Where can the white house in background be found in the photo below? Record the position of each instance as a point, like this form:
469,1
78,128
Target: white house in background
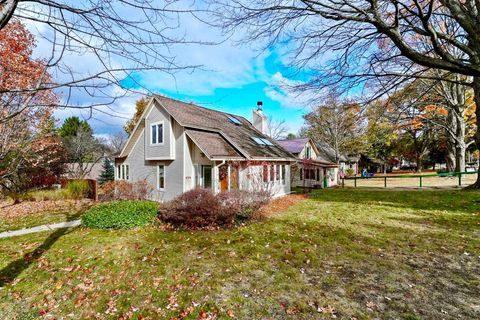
311,169
345,162
177,146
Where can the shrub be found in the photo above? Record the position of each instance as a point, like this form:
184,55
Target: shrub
244,203
349,172
77,189
201,209
47,194
124,190
120,215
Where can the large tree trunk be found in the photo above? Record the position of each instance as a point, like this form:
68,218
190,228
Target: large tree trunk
460,147
450,160
476,92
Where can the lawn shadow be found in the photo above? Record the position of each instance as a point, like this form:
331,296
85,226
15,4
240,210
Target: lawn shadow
15,268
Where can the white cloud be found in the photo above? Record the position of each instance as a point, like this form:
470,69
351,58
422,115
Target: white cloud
285,91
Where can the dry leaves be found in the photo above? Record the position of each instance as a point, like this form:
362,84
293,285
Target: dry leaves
281,204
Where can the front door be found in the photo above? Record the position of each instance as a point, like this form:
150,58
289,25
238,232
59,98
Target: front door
207,177
223,177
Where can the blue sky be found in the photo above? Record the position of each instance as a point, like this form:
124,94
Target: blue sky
232,78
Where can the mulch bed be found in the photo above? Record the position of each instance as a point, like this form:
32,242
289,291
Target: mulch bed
8,210
280,204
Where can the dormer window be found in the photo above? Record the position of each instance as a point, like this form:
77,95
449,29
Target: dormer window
156,133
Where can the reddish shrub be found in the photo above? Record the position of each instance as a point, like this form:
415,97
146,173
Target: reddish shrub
244,203
196,209
201,209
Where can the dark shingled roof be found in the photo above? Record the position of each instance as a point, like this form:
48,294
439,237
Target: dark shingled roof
237,136
293,145
296,146
213,144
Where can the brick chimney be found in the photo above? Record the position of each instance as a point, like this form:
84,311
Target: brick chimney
259,119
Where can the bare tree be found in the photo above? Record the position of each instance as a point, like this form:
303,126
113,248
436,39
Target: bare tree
334,125
385,40
116,141
98,48
84,152
277,129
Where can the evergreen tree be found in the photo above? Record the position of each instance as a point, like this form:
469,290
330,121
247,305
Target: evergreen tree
108,171
72,125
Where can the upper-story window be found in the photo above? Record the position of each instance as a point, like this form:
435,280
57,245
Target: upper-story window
308,152
156,133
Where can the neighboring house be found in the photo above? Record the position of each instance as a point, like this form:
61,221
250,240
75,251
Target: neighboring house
92,170
178,146
311,169
344,162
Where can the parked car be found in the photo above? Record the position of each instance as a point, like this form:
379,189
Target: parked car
471,169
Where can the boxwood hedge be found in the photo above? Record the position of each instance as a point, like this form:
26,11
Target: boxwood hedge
120,215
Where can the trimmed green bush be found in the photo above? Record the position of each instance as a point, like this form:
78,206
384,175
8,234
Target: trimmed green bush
121,215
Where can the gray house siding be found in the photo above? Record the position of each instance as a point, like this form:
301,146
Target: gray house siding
164,150
142,169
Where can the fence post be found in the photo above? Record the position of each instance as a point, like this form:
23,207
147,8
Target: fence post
343,182
355,182
420,181
385,182
459,179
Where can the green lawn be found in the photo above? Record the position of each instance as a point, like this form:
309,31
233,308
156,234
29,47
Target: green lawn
352,254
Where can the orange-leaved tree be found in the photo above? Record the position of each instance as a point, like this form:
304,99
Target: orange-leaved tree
29,150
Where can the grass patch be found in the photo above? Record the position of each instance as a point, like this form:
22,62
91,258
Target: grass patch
346,253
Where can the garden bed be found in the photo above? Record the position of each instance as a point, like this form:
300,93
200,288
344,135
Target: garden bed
33,213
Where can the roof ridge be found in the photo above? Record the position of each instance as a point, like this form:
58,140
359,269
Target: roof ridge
201,107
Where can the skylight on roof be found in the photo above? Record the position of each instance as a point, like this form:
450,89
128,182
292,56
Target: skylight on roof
234,120
262,141
268,143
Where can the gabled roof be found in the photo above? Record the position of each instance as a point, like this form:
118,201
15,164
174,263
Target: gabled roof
330,154
296,146
224,134
213,145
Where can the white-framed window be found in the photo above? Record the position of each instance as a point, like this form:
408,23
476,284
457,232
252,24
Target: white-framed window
284,173
156,133
123,172
161,177
308,152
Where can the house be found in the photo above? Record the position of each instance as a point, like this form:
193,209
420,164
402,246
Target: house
89,170
178,146
345,162
311,169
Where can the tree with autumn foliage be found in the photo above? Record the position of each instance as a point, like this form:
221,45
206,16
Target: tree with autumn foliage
30,152
447,108
378,46
140,106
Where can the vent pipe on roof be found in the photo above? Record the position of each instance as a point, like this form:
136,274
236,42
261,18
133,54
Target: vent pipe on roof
259,105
